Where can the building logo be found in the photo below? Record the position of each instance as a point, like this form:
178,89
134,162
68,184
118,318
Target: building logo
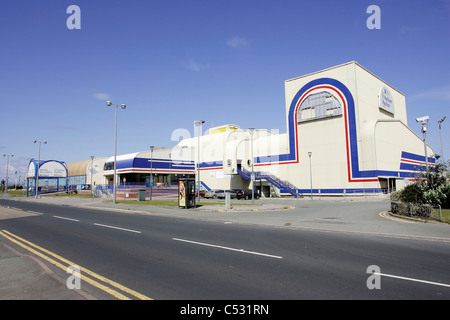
385,100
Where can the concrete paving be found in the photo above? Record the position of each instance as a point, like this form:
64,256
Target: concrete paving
23,276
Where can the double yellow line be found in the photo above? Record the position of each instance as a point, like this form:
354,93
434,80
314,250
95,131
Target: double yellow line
83,272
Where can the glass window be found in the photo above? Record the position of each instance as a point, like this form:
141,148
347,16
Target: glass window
319,105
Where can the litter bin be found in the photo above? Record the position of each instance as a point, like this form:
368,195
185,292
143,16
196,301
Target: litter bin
141,195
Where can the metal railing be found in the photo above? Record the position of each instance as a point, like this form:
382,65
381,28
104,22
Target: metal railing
423,211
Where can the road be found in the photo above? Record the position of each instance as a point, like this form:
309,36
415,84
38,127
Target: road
166,258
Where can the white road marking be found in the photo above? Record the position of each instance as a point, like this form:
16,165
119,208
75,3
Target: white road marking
35,212
227,248
113,227
412,279
70,219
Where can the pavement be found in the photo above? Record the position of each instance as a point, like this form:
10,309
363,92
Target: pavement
23,276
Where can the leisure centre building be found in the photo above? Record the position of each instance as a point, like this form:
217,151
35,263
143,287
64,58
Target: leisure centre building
347,133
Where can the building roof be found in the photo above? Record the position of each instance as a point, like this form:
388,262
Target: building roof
78,168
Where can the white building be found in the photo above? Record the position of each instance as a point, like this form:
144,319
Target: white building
347,133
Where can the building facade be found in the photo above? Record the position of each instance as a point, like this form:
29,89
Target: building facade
347,133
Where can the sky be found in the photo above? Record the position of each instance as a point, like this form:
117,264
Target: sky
176,61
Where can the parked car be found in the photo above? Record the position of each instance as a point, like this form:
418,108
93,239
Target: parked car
239,193
221,194
202,193
247,194
212,194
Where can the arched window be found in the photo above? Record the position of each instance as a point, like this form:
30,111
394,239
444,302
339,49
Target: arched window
319,105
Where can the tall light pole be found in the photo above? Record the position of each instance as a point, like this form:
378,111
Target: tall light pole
198,124
170,169
7,165
92,172
252,130
310,173
442,147
424,121
38,165
151,171
123,106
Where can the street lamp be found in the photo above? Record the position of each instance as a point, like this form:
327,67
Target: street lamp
123,106
7,165
198,123
38,165
92,172
424,121
252,130
310,173
151,171
440,134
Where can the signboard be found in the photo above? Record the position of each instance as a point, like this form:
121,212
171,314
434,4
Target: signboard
385,100
52,169
181,194
48,169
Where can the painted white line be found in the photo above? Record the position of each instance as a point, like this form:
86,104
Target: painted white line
35,212
227,248
112,227
70,219
415,280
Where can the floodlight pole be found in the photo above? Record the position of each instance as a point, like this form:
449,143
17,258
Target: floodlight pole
37,170
7,165
92,171
198,123
252,130
442,147
123,106
310,173
151,171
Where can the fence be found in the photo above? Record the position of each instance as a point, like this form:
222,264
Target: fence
423,211
130,191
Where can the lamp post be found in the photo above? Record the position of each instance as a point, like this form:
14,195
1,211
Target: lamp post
310,173
198,123
7,165
442,147
123,106
424,121
170,169
92,171
252,130
151,171
37,170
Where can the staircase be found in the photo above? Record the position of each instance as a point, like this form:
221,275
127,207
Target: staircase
277,182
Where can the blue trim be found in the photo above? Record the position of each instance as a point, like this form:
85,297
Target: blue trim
416,157
305,192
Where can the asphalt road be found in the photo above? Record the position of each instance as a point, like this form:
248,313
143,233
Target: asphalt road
190,259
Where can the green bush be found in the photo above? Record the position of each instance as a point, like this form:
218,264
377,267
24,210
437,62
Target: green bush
431,188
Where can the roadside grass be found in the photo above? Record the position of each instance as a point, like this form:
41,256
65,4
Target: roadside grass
174,203
17,193
446,215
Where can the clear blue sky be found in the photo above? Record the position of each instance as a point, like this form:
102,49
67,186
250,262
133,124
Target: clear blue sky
223,61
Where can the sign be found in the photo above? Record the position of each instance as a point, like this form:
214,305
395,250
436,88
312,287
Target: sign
181,194
47,169
52,169
385,100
